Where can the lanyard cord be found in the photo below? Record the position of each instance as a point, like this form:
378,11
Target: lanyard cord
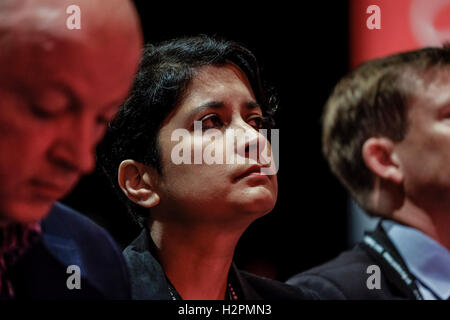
378,245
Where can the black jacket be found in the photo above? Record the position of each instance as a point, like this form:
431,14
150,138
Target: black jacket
148,280
69,238
345,277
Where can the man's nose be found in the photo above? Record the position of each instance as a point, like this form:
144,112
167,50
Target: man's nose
76,144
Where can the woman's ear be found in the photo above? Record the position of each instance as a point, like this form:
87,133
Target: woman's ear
137,182
379,156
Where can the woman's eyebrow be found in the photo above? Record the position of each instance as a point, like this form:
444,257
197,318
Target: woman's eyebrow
252,105
208,105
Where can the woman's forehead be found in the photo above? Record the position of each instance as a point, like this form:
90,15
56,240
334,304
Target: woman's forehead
217,81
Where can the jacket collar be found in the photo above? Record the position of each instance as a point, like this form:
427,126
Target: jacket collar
245,289
427,260
382,250
61,246
148,280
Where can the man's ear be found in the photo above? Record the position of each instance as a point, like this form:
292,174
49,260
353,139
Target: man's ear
379,156
137,182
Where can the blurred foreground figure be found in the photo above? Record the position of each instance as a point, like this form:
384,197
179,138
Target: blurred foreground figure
59,87
386,136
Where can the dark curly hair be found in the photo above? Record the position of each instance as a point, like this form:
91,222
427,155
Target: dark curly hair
165,72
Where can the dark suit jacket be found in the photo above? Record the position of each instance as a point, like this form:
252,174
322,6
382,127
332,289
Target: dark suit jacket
345,277
148,280
68,238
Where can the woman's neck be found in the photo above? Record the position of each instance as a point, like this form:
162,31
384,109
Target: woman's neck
195,258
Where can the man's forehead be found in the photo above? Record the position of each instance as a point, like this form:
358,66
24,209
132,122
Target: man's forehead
35,33
26,14
50,17
437,86
34,60
431,88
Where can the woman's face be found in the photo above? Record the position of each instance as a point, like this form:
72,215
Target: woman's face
219,98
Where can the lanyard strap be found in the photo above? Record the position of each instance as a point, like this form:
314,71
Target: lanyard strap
378,245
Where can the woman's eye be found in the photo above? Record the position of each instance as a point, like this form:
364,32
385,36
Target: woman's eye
256,122
210,122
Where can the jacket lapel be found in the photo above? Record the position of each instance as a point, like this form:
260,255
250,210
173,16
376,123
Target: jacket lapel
244,287
148,280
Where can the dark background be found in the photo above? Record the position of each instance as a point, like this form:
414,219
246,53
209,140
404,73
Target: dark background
303,50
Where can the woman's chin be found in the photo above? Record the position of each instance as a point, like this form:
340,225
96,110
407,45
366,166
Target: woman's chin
258,206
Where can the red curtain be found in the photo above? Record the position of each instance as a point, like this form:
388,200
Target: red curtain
405,25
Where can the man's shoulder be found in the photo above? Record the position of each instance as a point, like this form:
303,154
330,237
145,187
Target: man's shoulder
65,221
74,239
345,277
346,263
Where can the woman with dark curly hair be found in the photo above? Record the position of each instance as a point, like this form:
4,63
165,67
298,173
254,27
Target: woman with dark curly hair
194,210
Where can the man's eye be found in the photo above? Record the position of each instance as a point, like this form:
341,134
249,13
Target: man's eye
49,104
103,120
42,113
212,121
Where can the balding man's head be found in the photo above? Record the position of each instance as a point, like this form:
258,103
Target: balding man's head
41,21
58,89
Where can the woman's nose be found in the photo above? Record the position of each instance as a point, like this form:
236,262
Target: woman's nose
249,142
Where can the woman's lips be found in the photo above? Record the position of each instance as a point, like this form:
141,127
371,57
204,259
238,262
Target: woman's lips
253,171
